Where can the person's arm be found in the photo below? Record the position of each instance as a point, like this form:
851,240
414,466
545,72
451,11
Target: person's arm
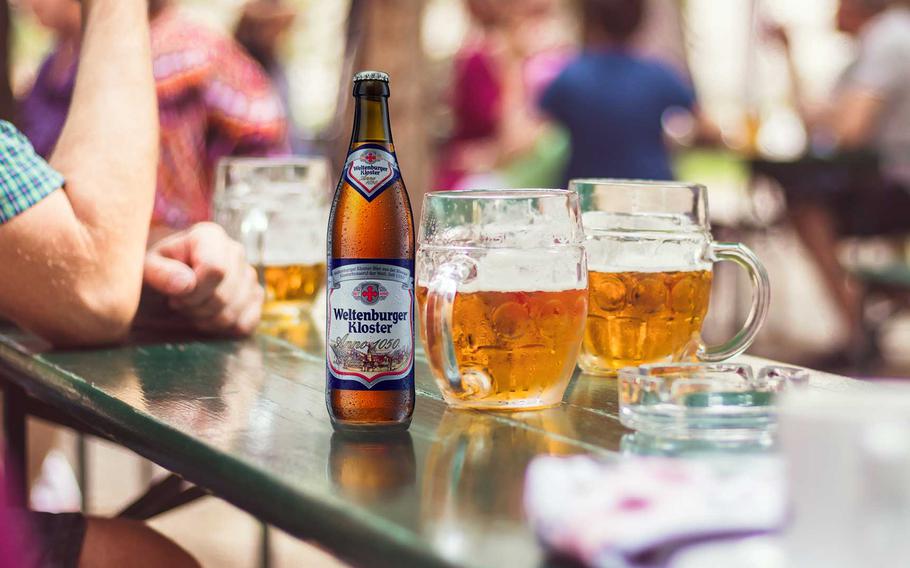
520,127
678,94
71,264
850,117
854,116
879,71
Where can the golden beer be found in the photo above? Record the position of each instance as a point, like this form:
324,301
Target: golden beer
290,289
526,343
643,317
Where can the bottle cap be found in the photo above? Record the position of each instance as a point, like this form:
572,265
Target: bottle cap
371,76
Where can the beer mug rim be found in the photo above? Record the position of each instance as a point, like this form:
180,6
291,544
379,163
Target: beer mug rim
670,184
697,190
568,229
493,194
636,200
637,184
661,370
253,165
258,161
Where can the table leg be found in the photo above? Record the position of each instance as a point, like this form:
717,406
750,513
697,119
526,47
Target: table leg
14,432
82,469
146,472
166,495
265,547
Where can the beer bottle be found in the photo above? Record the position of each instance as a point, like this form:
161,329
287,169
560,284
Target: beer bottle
370,302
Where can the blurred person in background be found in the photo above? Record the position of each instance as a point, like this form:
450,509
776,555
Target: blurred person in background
868,110
613,101
214,101
261,29
513,51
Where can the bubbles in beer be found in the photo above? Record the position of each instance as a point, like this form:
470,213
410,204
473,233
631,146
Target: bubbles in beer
610,295
510,320
643,317
525,342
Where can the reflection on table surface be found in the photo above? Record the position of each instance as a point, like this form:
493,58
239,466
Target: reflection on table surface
250,416
302,332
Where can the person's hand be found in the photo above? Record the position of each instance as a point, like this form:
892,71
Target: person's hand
205,276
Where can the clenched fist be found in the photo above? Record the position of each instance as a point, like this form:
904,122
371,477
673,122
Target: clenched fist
206,278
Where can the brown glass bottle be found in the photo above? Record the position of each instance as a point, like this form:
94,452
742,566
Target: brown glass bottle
370,303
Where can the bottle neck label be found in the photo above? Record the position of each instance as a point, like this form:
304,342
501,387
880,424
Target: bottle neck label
370,324
371,169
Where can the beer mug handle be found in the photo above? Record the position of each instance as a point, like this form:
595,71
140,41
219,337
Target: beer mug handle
761,299
438,326
254,226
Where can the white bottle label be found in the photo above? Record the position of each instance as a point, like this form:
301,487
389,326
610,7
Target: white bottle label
370,324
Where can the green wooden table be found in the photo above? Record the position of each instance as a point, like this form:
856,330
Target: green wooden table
246,421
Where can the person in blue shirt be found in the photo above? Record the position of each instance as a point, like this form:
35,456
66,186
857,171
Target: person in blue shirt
612,101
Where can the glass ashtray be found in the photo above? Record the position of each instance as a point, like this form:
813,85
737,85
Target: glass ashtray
704,401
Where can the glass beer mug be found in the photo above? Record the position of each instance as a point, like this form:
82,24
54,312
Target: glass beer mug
650,256
502,292
278,209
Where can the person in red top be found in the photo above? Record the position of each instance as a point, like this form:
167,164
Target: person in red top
498,74
214,101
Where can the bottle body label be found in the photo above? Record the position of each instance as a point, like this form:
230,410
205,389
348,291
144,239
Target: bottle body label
371,169
370,324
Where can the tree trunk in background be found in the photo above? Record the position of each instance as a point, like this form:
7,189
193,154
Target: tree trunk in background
7,103
387,36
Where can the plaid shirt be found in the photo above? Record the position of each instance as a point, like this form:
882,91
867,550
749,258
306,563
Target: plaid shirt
25,178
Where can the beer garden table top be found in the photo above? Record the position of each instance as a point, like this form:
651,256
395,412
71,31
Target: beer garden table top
246,420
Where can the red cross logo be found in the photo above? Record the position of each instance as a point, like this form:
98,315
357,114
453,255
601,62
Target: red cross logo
370,157
370,294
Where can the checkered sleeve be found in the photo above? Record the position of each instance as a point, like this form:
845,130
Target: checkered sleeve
25,178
